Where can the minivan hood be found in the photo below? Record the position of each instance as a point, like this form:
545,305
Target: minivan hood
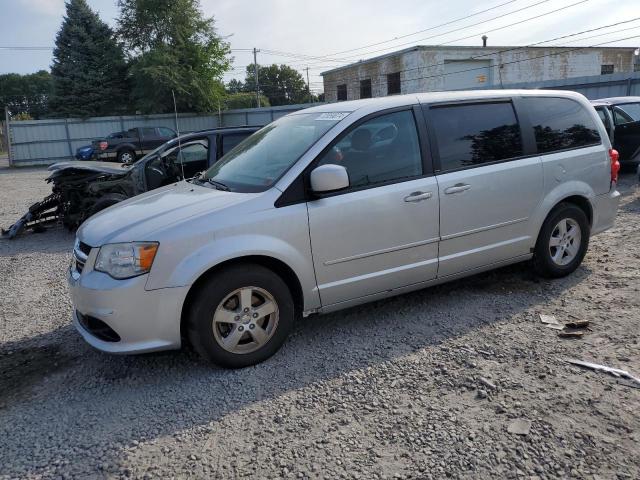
141,217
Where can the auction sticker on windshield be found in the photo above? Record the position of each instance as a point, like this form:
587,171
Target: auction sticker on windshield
332,116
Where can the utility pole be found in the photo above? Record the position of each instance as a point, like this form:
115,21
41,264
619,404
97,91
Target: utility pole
308,86
255,73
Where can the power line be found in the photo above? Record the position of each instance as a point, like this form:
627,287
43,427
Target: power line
522,47
536,43
511,62
425,30
535,17
34,48
306,57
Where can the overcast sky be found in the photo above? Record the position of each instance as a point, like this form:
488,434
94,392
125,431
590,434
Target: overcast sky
324,28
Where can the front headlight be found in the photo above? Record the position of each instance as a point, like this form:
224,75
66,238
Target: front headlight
126,260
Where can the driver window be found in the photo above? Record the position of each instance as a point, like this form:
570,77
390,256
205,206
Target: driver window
194,157
196,152
165,168
383,149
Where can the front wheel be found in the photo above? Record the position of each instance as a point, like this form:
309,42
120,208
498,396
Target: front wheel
563,241
240,316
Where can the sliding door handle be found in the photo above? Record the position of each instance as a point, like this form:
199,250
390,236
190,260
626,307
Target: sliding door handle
460,187
418,196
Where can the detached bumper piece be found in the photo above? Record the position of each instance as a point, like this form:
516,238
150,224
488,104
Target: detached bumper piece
39,214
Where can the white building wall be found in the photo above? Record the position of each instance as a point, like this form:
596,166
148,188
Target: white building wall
423,68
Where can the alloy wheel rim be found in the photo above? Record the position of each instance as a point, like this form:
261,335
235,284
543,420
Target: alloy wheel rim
245,320
126,157
565,241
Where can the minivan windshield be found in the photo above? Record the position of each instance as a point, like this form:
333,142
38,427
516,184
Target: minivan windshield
257,162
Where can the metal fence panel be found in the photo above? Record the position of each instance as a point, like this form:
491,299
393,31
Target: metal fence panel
42,142
594,87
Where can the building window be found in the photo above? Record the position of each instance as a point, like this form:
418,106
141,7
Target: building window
365,88
393,83
606,69
342,93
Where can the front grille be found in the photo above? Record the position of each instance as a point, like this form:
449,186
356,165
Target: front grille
79,265
80,255
84,248
98,328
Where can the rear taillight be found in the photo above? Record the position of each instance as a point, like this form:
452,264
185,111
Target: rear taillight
103,145
615,164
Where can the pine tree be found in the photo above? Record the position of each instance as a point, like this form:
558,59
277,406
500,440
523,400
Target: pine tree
173,47
89,71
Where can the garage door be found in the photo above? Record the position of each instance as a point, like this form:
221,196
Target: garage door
463,74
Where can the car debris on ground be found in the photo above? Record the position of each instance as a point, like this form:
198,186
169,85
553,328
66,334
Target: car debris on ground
520,426
616,372
570,329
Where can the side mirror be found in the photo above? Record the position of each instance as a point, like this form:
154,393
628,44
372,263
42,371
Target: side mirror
329,178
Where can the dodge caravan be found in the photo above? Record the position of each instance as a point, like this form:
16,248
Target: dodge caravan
342,204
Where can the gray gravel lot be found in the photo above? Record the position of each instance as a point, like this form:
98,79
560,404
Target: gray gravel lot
425,385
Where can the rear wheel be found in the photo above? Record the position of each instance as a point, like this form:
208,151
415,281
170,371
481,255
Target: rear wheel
563,241
126,156
241,316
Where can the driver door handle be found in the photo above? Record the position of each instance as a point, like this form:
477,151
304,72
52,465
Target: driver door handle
459,187
418,196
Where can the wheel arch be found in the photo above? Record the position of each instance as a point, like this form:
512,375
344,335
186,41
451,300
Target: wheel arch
579,201
277,266
127,146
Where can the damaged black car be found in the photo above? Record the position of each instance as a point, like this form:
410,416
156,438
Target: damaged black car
81,189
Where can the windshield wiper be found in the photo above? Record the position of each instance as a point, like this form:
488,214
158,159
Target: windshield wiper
218,185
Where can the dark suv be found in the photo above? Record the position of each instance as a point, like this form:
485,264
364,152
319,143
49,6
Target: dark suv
621,117
131,144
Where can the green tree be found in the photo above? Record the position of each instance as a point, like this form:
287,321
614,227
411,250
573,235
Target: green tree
244,100
89,70
173,47
235,86
25,94
281,84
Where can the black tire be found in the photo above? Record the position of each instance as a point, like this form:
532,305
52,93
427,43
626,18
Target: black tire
126,155
200,326
543,262
106,201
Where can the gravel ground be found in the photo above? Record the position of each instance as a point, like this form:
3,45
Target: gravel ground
425,385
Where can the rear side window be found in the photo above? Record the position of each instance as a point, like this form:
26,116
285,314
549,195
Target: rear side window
560,124
148,132
472,135
166,132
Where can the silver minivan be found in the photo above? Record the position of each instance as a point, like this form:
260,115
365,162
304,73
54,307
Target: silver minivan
339,205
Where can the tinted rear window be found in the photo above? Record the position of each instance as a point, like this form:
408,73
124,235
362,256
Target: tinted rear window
469,135
560,124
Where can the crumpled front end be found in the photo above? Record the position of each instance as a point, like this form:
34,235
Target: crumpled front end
76,194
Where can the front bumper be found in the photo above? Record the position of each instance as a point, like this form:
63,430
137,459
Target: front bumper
144,320
106,156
